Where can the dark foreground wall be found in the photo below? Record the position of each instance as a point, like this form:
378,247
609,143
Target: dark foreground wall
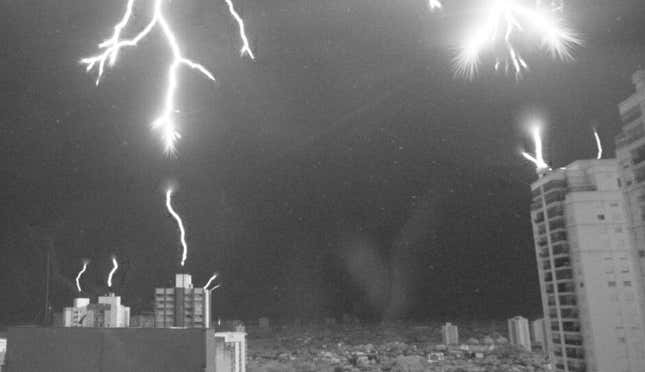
32,349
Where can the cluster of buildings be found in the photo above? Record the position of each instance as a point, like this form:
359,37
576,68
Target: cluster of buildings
103,339
182,306
588,223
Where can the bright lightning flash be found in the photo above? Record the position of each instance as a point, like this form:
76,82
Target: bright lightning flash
538,159
182,231
164,122
502,21
598,144
78,276
435,5
210,281
115,266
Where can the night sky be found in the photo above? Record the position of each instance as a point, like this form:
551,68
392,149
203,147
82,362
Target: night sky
344,171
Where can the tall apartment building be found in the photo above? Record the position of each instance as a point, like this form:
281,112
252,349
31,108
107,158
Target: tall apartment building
538,334
183,305
450,334
519,333
630,153
588,277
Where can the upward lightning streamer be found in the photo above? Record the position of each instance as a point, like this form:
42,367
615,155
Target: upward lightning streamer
598,144
165,121
209,283
540,165
115,266
78,276
180,224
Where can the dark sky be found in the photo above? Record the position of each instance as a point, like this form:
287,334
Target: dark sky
345,170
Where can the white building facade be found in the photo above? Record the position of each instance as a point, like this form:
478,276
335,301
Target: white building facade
589,278
519,333
107,313
183,305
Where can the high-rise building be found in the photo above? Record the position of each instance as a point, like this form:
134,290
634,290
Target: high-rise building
519,333
450,334
538,333
107,313
183,305
630,153
588,277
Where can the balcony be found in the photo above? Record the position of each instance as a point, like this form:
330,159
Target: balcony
564,274
561,248
554,196
575,340
567,287
562,262
539,217
555,211
568,300
556,224
558,236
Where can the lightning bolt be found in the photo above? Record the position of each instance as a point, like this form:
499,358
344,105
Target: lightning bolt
500,23
598,144
78,276
210,281
115,266
165,121
179,223
538,159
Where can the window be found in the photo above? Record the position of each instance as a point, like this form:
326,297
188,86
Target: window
641,253
601,217
627,283
611,283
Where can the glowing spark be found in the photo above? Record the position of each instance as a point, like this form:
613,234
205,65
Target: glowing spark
210,281
78,276
115,266
164,122
538,159
179,223
435,5
501,24
598,144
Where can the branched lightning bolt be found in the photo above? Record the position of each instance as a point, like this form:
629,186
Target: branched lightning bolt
598,144
115,266
501,23
210,281
78,276
164,122
182,236
538,159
